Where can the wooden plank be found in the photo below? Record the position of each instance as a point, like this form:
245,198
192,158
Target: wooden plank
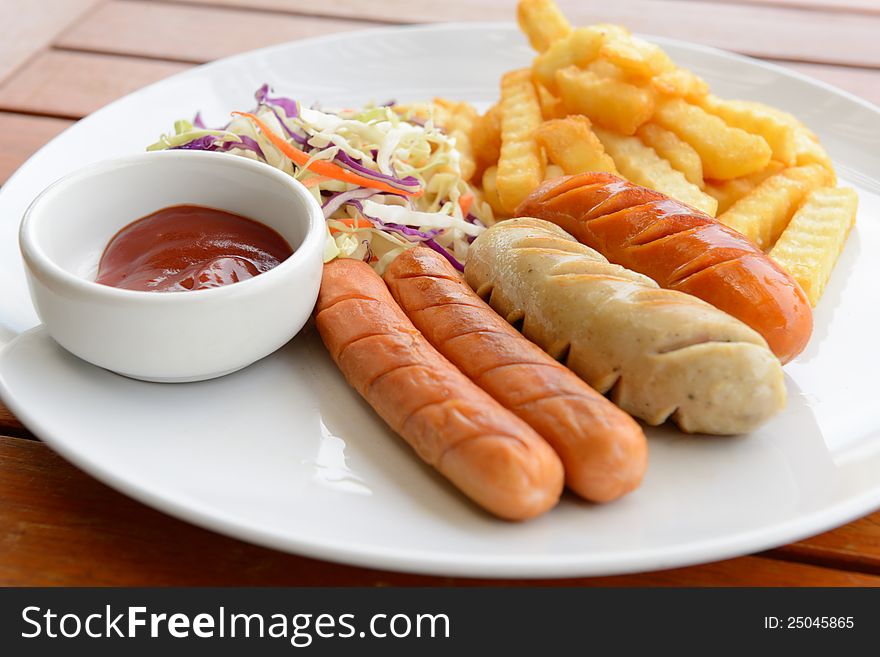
30,26
189,34
69,84
857,545
11,426
863,6
863,82
762,31
73,84
21,137
60,527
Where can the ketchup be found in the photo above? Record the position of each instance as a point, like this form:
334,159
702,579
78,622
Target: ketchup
189,247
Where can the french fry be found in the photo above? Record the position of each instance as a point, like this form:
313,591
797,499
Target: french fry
681,83
551,106
808,150
778,134
577,49
521,161
542,22
605,69
762,214
490,192
635,56
486,139
812,242
459,124
668,145
640,164
728,192
726,152
612,104
572,145
787,117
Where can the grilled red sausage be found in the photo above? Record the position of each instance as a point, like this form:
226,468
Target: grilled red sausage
491,455
682,249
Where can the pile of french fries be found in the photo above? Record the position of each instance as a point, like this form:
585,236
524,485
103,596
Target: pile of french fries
598,98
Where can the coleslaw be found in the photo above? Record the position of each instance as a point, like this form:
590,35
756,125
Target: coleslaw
387,177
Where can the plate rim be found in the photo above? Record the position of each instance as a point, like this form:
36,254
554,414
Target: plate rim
438,563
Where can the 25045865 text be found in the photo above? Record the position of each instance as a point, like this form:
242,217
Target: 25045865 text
809,622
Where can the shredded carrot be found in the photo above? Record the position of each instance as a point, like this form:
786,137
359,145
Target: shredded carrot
322,167
465,201
314,180
356,223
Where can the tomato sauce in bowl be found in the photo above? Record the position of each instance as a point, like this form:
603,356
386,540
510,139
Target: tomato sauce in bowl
190,247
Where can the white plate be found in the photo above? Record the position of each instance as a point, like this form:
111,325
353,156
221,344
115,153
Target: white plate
285,454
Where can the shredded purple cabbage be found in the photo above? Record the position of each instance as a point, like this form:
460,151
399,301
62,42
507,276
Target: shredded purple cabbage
412,232
217,144
336,201
409,183
446,254
203,143
286,104
407,231
198,122
246,144
302,141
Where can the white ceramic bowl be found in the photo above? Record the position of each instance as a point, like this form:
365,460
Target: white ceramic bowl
169,336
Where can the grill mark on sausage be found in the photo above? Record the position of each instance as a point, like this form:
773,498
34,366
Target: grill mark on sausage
683,273
347,297
478,436
445,302
358,339
577,251
440,277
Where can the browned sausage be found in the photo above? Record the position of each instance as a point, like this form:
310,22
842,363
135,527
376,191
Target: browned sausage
682,249
491,455
603,449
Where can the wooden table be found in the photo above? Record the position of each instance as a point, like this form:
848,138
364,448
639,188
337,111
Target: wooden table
61,59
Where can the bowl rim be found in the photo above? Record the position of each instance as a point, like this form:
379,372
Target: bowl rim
36,259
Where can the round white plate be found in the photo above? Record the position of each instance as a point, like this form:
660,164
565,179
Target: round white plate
285,454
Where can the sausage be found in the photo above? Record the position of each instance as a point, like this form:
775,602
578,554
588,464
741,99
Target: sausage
682,249
659,353
491,455
603,450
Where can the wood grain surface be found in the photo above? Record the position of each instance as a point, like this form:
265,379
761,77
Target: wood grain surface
74,84
760,29
189,34
93,534
62,59
22,136
29,26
